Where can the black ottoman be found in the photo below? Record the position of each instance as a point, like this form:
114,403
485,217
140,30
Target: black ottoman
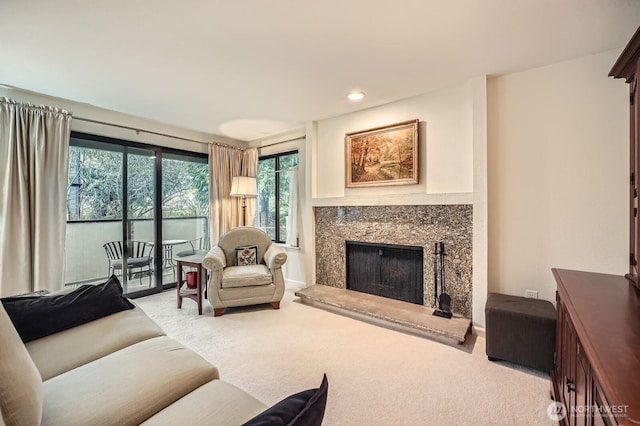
520,330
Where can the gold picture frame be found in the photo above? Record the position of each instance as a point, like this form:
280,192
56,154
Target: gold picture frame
383,156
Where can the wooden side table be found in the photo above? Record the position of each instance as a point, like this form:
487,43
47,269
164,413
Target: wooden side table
193,261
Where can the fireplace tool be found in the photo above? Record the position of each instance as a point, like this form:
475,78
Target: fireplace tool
435,276
443,300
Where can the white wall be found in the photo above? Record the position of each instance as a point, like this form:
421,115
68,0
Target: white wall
445,154
82,110
558,173
480,203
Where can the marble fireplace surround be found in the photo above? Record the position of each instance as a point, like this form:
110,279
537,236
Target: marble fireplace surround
416,225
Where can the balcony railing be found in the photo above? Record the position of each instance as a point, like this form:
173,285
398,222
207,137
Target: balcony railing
86,260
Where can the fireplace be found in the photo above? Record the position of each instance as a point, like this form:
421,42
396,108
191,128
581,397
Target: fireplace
404,225
387,270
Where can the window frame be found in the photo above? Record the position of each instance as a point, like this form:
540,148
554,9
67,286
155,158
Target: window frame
280,239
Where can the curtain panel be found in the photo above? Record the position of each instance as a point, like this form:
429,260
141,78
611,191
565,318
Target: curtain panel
226,211
292,216
250,168
34,158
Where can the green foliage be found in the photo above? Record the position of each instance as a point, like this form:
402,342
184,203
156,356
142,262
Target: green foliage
95,186
274,191
185,188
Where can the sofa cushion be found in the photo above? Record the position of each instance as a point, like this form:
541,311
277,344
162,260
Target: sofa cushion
21,391
127,386
217,402
38,316
305,408
61,352
245,276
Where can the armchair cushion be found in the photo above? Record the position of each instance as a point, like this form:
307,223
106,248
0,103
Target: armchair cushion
246,255
245,276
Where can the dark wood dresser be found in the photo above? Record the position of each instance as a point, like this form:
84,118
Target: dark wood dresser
597,370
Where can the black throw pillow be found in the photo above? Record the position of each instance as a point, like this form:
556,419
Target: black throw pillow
305,408
39,316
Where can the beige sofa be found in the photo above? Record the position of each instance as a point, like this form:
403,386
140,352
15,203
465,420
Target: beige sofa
118,370
232,285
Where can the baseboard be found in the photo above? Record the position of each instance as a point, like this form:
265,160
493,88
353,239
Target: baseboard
478,331
295,283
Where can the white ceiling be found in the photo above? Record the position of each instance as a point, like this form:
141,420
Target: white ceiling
251,68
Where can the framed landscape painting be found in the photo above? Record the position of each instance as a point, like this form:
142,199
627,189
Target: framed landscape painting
383,156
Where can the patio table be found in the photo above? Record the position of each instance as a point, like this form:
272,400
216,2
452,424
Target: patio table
167,255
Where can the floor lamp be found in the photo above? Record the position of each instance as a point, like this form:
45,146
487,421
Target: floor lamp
244,186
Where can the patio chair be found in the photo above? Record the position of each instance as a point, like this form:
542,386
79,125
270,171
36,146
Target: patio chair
140,257
199,245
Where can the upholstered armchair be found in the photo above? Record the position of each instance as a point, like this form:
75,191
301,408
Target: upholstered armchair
245,269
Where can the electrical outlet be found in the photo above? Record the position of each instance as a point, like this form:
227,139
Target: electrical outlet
531,294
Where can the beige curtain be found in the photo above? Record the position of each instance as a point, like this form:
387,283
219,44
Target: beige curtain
250,168
226,211
34,156
294,209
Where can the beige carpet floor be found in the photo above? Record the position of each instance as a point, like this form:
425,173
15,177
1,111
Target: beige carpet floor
376,376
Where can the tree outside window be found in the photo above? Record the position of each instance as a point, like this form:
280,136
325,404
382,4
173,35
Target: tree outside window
274,193
95,186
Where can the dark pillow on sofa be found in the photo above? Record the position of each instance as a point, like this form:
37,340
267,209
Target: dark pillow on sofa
39,316
305,408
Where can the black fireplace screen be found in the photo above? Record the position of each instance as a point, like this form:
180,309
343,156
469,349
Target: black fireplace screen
394,271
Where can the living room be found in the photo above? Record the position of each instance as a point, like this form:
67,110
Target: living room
534,141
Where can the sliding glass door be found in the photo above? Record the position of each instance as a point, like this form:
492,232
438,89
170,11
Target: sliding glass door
185,209
94,209
131,209
111,215
139,237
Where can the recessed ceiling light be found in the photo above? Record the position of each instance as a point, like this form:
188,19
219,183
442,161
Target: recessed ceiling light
355,96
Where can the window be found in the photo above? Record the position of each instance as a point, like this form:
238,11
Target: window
277,196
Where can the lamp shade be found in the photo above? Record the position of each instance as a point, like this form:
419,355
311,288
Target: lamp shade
244,186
